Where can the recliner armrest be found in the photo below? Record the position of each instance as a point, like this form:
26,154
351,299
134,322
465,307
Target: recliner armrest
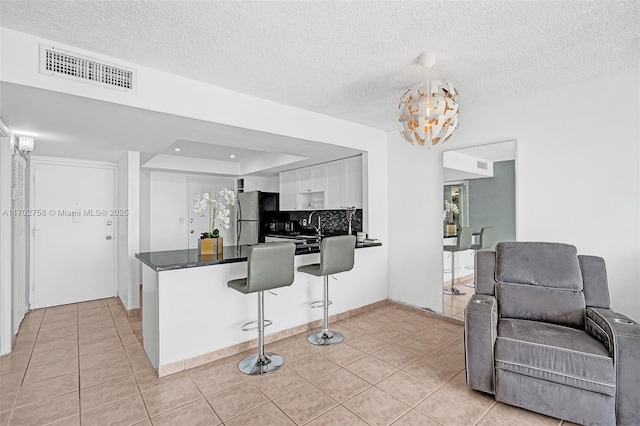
480,331
621,335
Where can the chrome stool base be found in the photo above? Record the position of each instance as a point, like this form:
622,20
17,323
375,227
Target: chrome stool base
325,338
470,285
453,291
255,365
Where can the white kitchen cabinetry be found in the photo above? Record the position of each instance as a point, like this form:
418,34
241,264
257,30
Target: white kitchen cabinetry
333,192
352,186
311,179
334,185
288,190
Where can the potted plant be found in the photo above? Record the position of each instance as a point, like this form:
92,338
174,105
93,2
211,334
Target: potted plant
211,242
450,209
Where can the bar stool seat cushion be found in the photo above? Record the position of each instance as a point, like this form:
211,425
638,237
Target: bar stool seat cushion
240,284
313,269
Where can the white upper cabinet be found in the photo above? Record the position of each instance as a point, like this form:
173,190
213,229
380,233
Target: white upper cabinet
353,185
311,179
333,193
333,185
288,190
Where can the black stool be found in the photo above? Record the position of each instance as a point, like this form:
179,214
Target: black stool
336,255
269,266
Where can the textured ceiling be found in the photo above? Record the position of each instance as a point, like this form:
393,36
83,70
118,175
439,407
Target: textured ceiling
350,59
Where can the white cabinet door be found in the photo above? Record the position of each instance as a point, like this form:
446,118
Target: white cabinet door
318,174
352,183
288,190
333,191
304,180
311,179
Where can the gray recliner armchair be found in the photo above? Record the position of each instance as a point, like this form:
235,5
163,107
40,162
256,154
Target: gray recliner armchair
540,334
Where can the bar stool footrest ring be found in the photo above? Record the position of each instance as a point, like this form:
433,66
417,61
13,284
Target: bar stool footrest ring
267,323
320,304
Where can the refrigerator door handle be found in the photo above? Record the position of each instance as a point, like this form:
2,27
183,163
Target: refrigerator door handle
239,222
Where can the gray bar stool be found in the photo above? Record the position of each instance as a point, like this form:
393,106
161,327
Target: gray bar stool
336,255
485,241
269,266
463,242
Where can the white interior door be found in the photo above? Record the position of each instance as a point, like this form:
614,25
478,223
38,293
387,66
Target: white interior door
197,225
74,241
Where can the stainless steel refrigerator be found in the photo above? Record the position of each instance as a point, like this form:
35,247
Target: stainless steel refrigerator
254,208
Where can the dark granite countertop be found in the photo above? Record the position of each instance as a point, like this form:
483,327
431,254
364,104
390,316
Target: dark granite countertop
190,258
475,234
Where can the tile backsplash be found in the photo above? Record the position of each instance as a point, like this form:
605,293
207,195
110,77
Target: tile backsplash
333,221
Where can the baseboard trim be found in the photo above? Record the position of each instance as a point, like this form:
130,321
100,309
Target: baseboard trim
186,364
130,312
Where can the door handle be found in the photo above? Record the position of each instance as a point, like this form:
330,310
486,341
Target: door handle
109,237
192,231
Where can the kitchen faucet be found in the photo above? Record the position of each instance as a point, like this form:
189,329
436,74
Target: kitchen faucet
317,228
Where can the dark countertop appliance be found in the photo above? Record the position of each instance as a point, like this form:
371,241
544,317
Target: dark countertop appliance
255,211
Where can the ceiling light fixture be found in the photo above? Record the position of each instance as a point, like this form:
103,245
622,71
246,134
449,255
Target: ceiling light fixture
232,156
25,144
177,149
428,110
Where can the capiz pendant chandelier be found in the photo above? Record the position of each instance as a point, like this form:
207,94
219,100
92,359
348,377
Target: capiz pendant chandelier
428,110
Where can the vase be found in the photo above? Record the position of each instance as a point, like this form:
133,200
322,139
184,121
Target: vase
210,245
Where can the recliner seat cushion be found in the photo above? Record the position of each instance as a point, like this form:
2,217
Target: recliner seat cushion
554,353
529,302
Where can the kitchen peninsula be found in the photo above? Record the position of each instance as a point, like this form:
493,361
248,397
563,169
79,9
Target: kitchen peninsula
190,317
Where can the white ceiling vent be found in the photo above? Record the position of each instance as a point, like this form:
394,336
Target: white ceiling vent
482,165
60,63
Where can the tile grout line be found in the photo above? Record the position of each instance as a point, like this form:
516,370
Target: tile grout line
79,384
133,373
486,413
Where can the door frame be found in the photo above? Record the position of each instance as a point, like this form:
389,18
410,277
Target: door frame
7,141
69,162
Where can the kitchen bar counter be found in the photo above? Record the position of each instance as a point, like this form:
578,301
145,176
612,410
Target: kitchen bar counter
190,316
179,259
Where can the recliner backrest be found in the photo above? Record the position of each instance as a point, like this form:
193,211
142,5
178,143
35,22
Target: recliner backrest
539,281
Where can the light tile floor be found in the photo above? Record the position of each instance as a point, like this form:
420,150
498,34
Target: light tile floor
453,306
84,364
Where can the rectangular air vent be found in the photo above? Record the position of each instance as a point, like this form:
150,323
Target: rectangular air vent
482,165
60,63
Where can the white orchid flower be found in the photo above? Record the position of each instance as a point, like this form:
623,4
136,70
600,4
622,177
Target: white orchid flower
218,209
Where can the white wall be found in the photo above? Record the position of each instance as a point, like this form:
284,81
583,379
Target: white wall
133,226
261,183
415,224
145,211
129,229
167,204
122,237
578,182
